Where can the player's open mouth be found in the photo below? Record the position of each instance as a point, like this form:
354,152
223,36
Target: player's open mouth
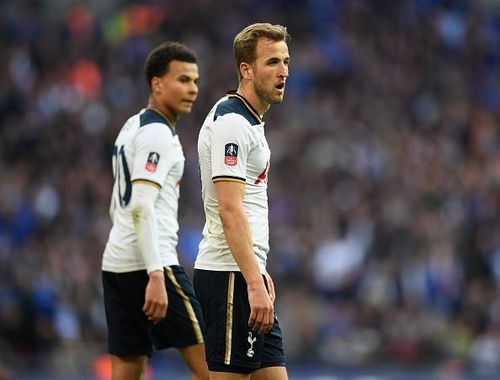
280,86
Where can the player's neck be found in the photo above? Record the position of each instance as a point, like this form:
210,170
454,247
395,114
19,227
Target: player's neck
248,92
163,111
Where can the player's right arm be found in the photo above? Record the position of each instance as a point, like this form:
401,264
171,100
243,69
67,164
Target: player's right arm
144,217
229,149
151,165
239,239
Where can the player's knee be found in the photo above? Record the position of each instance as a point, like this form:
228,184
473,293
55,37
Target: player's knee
200,375
200,371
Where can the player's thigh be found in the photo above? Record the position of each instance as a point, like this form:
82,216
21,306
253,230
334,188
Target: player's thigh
231,345
211,290
128,327
270,373
228,376
128,367
273,351
183,325
194,356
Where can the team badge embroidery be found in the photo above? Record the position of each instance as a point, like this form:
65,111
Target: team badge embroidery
152,163
231,154
251,340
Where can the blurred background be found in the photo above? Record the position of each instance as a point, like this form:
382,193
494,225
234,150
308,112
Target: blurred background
384,184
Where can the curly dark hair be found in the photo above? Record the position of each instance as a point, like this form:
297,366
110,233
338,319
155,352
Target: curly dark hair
158,61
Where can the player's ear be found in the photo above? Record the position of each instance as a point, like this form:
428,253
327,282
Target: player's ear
246,70
156,85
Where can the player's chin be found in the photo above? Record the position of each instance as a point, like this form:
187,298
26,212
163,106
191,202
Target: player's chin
186,107
277,99
277,96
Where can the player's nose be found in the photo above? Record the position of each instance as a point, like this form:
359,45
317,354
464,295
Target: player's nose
283,72
193,88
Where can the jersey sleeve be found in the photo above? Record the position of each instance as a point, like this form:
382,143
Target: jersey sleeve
230,146
152,159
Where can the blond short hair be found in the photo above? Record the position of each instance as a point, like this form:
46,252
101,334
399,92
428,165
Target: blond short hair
245,42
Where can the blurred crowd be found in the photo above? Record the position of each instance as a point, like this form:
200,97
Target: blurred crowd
384,183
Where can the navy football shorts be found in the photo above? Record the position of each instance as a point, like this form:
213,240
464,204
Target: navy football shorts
231,345
130,333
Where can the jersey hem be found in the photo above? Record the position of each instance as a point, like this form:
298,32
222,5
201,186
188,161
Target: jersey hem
132,267
224,267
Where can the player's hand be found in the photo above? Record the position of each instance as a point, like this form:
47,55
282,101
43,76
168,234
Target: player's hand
261,310
155,299
270,287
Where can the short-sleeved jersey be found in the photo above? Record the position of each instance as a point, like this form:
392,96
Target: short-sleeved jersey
232,147
146,150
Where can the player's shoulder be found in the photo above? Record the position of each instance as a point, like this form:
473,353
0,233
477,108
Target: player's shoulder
235,107
149,119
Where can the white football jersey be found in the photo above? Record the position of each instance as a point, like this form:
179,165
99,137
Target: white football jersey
232,147
146,150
